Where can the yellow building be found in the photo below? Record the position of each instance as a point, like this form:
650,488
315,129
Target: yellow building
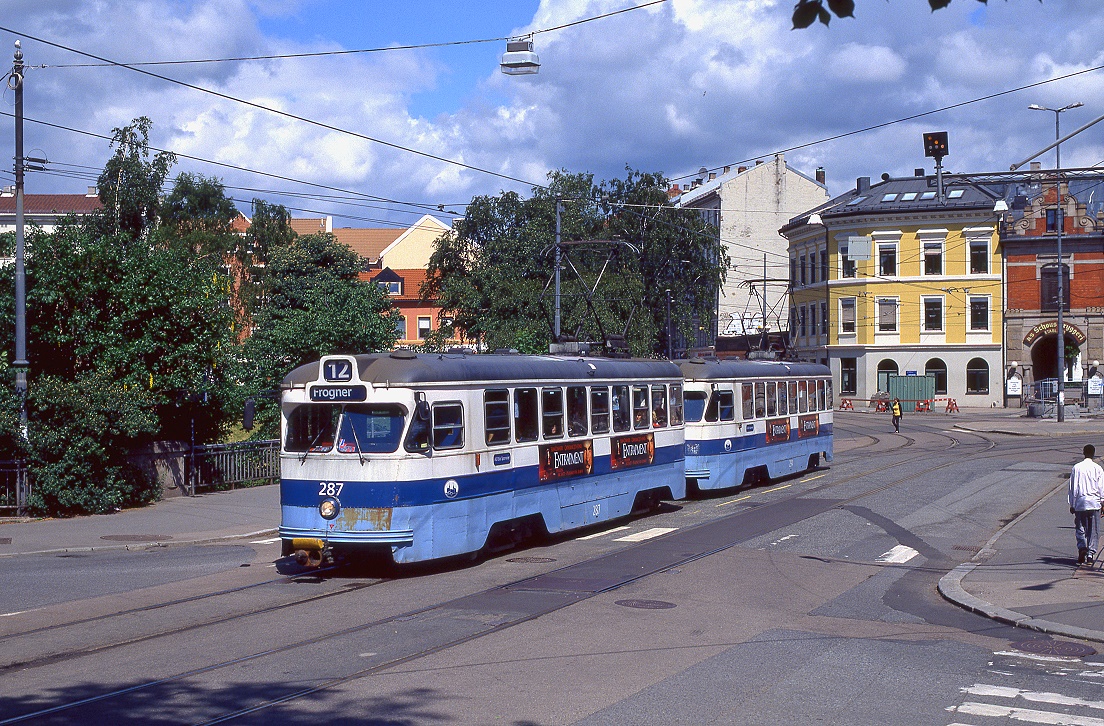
889,279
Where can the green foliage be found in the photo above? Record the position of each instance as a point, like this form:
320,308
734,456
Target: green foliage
807,12
314,306
489,274
82,430
130,184
198,204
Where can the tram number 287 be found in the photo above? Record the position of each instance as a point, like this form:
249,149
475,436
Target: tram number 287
330,488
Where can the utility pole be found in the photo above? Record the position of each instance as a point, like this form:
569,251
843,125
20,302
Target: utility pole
21,364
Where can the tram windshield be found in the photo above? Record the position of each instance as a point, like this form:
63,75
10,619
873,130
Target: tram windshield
695,405
359,428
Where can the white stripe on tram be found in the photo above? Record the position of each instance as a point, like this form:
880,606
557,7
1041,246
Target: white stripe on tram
1028,715
899,555
646,534
596,535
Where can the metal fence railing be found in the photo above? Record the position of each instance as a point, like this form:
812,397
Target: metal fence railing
226,466
15,488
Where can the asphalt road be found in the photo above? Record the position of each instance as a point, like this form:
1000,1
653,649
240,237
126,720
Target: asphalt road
811,599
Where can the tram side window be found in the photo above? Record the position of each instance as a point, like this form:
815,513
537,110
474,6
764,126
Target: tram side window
772,399
783,400
820,396
599,410
760,401
622,409
576,411
448,426
695,405
659,406
496,410
749,401
676,404
726,405
640,407
792,387
552,413
828,393
311,428
525,414
802,396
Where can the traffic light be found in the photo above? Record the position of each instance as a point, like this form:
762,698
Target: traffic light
935,144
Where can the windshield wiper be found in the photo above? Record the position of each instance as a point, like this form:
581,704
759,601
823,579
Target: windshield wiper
356,441
310,446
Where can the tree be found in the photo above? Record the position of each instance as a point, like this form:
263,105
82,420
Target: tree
315,306
198,204
806,12
130,185
489,274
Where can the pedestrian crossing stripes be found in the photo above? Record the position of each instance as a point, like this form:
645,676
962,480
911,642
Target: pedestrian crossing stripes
987,703
596,535
899,555
646,534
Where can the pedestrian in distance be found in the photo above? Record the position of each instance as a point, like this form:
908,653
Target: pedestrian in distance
1086,490
895,409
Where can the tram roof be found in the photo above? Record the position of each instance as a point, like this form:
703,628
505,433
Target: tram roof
414,368
698,369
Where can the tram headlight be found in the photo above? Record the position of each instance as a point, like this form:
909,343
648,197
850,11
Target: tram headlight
329,507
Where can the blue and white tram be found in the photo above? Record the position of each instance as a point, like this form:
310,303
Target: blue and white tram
419,456
749,419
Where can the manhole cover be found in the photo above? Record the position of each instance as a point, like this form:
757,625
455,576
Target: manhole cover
136,537
5,540
531,560
645,604
1054,647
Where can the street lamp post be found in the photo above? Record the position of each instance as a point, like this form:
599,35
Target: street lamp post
1061,397
15,81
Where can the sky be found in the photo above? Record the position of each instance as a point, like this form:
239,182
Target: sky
670,87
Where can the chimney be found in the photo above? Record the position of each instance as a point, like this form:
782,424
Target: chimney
674,191
92,192
758,162
918,171
685,187
329,223
862,184
741,170
1036,165
727,169
712,175
820,174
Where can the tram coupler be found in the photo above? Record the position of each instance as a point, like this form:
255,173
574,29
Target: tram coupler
309,552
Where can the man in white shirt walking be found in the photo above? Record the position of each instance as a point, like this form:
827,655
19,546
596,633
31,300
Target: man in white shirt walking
1086,490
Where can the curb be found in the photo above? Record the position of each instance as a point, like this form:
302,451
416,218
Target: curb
950,587
142,545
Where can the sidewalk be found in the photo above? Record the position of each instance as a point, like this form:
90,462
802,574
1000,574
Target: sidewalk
249,512
1027,576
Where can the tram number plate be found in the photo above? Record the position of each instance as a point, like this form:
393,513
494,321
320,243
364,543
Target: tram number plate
330,488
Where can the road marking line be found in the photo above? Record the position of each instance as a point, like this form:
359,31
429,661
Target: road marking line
8,615
749,496
899,555
596,535
1044,658
818,476
265,541
780,541
646,534
981,689
1028,714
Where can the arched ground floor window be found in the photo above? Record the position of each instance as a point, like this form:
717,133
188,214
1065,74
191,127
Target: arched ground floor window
937,368
977,376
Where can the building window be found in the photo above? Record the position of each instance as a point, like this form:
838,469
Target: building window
979,257
979,313
801,267
824,318
933,314
847,265
424,326
813,319
977,376
847,315
824,264
938,370
812,268
393,287
849,377
886,368
400,327
1051,220
933,258
887,259
801,321
793,272
1048,288
887,315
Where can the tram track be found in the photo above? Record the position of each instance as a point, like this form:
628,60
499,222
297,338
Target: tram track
719,532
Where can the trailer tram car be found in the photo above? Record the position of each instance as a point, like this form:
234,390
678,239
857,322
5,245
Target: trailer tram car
421,456
752,420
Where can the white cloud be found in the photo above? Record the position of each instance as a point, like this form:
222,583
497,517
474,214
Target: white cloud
858,63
